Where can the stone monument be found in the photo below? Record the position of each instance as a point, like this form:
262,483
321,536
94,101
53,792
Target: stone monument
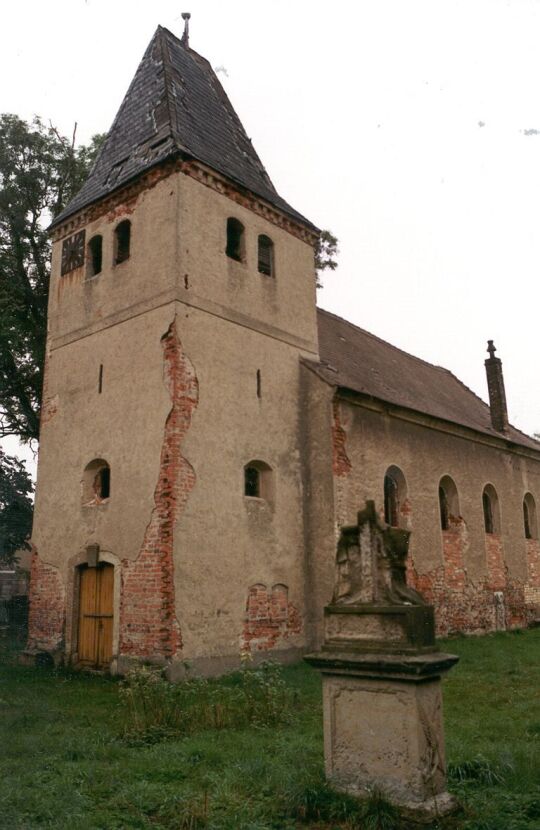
381,669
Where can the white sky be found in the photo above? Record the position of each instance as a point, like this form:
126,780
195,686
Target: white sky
398,124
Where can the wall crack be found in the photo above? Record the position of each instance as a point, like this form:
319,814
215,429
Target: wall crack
148,623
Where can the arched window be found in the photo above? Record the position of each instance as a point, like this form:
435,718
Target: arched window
235,240
444,509
258,480
252,482
448,502
490,505
96,483
529,517
122,241
266,256
395,494
95,255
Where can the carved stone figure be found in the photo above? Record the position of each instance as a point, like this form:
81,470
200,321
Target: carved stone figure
371,563
381,676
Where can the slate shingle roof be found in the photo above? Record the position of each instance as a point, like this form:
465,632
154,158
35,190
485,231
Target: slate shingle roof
175,104
354,359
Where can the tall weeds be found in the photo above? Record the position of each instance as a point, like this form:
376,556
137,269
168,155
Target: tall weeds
156,709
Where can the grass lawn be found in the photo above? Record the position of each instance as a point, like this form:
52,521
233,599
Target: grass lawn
64,762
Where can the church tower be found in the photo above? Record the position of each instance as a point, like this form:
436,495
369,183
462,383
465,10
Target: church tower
169,506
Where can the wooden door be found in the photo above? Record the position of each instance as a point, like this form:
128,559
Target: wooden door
96,615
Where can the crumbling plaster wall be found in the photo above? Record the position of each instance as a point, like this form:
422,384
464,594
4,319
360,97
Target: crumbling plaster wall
235,322
374,440
115,319
177,462
283,306
225,542
80,304
320,528
123,425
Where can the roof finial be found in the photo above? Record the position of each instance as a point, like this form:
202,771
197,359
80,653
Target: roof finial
185,36
491,349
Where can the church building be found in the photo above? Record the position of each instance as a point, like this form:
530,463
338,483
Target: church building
206,430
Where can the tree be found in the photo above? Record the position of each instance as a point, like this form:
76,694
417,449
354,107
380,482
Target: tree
325,254
15,507
40,171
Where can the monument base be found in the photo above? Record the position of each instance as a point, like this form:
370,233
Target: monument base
416,813
383,728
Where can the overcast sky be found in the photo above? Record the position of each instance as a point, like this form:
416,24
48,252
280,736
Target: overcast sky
410,129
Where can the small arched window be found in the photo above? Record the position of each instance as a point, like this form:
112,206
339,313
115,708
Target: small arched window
448,502
102,483
490,506
444,509
258,480
235,240
122,241
95,256
529,517
266,256
96,483
395,494
252,482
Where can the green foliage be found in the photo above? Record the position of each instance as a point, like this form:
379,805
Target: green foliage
15,507
185,813
378,814
314,800
152,705
326,253
63,765
477,769
265,697
40,171
157,709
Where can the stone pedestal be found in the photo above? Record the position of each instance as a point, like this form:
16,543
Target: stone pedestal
381,671
383,727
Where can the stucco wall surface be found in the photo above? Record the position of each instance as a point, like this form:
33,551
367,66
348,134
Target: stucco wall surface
123,425
225,542
282,305
79,303
200,375
460,569
239,561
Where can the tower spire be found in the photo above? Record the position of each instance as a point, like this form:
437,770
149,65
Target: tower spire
185,37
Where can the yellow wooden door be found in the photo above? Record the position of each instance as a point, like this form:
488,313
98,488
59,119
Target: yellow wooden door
96,615
105,621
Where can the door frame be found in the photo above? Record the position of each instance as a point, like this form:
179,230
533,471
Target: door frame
72,605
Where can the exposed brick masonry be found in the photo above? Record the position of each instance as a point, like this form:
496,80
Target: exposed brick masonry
532,589
461,604
125,198
341,462
269,617
148,623
47,606
455,542
49,403
495,562
464,605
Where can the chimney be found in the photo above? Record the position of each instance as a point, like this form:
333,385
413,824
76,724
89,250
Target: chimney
497,396
185,37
